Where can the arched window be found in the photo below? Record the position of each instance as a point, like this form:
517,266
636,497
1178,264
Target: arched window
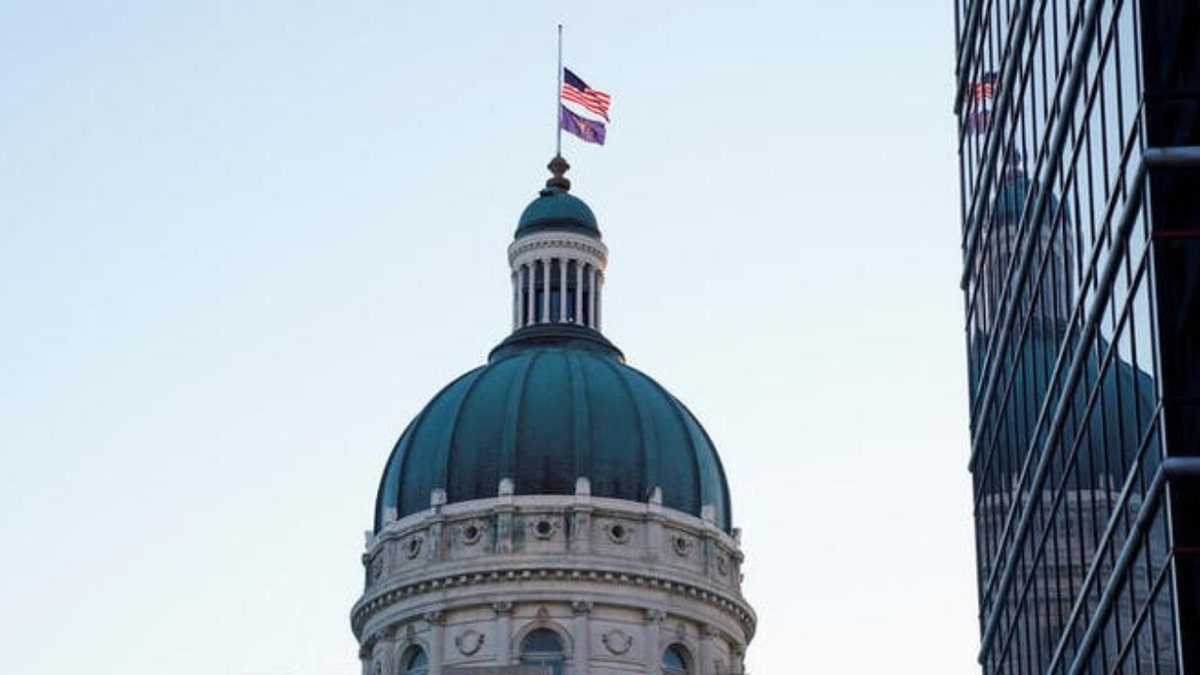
675,661
414,662
543,647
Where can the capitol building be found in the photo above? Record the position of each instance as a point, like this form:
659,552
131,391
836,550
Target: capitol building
554,510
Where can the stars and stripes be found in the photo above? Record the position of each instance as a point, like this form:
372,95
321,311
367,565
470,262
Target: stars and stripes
977,112
575,90
985,88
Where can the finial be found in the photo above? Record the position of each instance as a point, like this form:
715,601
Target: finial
558,166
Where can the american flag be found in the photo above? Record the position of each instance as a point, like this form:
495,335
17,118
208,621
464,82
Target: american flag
576,90
985,88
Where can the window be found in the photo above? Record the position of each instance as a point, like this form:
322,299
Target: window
414,662
675,661
543,647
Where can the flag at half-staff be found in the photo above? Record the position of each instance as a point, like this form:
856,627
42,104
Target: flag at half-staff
574,90
591,131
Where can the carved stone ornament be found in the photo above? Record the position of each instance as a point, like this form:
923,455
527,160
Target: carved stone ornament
412,547
617,641
376,567
469,641
378,670
543,528
618,532
470,532
722,565
682,545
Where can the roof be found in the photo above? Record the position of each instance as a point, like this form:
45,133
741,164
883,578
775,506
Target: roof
557,209
553,405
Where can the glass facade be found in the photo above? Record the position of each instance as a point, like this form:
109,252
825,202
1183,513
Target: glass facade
1079,158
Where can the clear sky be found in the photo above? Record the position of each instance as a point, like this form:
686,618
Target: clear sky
242,243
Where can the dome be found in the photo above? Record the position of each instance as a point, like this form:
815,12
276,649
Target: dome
556,209
1111,439
1010,199
554,403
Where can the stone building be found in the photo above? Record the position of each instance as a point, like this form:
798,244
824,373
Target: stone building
554,510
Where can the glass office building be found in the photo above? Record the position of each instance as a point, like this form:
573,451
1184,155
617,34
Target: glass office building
1079,154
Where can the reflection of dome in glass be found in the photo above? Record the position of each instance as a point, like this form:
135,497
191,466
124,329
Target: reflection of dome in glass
1111,436
1011,199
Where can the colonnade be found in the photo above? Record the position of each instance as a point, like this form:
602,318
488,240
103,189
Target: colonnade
557,290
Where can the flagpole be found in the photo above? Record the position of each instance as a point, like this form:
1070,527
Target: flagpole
558,100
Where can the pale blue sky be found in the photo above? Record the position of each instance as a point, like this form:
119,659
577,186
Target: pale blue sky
242,243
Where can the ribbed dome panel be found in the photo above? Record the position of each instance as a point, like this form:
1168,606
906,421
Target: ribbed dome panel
543,416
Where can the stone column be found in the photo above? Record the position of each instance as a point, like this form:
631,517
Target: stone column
581,517
516,282
364,654
655,540
545,290
599,298
704,655
562,291
737,657
654,621
529,294
504,517
437,641
503,632
387,645
579,293
583,635
592,299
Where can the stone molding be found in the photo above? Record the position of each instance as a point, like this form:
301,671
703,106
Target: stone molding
603,510
556,244
658,573
636,583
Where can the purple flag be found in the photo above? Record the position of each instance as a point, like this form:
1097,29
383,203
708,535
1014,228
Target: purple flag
589,130
977,123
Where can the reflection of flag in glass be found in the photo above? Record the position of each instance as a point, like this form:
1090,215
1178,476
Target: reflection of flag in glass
576,90
984,89
976,99
591,131
977,123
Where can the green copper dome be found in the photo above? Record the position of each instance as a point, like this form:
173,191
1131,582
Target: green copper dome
557,209
554,403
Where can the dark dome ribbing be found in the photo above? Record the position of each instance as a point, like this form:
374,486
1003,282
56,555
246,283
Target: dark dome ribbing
543,414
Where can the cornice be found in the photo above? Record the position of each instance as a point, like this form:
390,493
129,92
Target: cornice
388,596
557,240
